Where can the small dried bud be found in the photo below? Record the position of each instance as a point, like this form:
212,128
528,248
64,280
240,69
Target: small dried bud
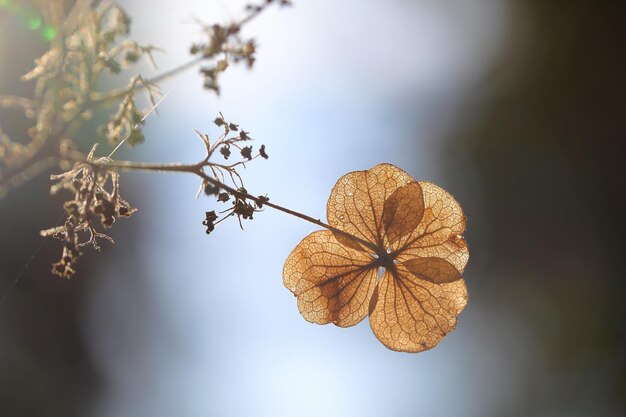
211,189
223,197
262,200
209,221
221,65
211,84
112,65
225,151
233,127
243,209
132,57
208,72
263,153
246,152
243,135
218,121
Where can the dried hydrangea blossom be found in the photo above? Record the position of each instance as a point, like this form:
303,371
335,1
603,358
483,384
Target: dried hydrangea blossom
383,220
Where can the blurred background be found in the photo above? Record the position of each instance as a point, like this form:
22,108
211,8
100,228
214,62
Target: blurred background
515,107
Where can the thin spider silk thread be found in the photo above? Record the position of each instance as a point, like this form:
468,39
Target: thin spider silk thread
28,263
153,108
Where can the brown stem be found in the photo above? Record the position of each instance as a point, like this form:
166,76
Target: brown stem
97,97
198,169
288,211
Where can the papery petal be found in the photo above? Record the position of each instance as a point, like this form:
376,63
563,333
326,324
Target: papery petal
333,283
411,315
402,212
435,270
357,201
440,232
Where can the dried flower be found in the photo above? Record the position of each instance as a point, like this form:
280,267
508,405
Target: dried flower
413,232
96,198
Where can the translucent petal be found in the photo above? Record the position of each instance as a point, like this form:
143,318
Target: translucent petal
440,232
333,283
402,212
357,201
411,315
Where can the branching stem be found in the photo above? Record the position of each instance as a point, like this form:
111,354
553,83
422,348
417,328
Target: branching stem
97,97
198,169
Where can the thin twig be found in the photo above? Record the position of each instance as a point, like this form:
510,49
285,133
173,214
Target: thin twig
98,97
198,169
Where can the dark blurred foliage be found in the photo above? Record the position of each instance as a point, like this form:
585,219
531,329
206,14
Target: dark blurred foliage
45,368
541,146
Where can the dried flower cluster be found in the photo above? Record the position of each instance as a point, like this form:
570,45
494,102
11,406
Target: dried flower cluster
89,42
224,43
218,175
96,204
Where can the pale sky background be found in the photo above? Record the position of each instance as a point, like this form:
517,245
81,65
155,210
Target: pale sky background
195,325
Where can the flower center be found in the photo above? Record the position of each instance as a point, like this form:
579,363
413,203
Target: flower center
385,258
